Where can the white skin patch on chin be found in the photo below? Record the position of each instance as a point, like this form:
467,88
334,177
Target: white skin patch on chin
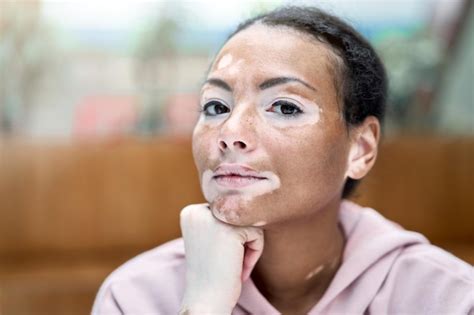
259,223
233,216
224,62
227,209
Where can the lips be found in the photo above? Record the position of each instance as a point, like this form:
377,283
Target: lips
236,175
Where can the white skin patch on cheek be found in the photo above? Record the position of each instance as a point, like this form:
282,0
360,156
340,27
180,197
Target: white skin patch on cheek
314,272
208,186
224,62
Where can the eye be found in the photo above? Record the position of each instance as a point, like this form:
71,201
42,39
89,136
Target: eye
214,108
285,108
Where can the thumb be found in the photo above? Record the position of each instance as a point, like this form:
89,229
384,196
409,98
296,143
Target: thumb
253,251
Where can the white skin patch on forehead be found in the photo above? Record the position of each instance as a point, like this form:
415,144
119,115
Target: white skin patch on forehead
235,68
224,62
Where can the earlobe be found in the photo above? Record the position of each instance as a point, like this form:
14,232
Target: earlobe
364,146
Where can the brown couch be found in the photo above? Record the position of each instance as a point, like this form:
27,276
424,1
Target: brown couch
71,213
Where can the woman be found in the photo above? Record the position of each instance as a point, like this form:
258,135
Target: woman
291,114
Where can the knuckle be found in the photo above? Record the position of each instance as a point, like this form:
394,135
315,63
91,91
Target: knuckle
186,211
193,212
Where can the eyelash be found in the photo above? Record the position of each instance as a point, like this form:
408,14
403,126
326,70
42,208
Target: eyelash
209,104
286,103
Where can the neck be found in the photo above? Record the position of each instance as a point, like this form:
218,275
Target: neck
300,259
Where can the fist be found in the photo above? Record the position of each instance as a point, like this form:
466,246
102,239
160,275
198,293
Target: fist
219,257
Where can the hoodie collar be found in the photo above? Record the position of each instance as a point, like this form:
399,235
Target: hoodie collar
369,238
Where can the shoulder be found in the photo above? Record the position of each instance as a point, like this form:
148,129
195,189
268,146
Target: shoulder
431,280
435,269
151,282
429,257
415,276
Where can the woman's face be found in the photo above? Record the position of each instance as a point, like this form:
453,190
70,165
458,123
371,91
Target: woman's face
270,144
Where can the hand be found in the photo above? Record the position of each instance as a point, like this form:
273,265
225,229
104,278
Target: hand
219,257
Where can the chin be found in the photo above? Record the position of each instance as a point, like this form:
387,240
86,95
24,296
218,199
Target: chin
234,209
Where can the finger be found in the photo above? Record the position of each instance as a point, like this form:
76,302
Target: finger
253,251
250,260
190,214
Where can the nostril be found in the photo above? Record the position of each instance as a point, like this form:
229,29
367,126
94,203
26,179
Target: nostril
222,145
240,144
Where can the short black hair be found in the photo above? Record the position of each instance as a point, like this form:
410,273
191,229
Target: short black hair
361,76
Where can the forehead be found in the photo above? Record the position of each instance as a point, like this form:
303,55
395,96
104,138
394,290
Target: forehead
273,50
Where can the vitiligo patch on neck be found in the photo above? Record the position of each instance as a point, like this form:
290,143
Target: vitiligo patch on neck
314,272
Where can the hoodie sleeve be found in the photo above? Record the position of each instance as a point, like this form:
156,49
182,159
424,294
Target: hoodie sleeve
105,302
426,280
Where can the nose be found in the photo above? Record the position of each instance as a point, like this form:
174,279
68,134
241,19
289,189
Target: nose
237,134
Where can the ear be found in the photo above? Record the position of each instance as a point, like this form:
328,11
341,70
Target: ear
364,146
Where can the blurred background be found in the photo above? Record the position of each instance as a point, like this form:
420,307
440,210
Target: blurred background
98,100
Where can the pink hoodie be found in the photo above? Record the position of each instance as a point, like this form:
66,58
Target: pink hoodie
385,270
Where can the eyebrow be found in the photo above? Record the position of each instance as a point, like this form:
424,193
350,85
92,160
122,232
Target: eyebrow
265,85
219,83
282,80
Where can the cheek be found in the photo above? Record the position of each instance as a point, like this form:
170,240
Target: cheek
203,149
313,164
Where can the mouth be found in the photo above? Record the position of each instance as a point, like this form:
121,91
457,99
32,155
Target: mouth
236,176
236,181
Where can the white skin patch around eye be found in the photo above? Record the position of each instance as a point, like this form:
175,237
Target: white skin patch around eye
311,110
224,62
212,190
316,117
304,120
314,272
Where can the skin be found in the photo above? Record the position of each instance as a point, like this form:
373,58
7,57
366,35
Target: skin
312,154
